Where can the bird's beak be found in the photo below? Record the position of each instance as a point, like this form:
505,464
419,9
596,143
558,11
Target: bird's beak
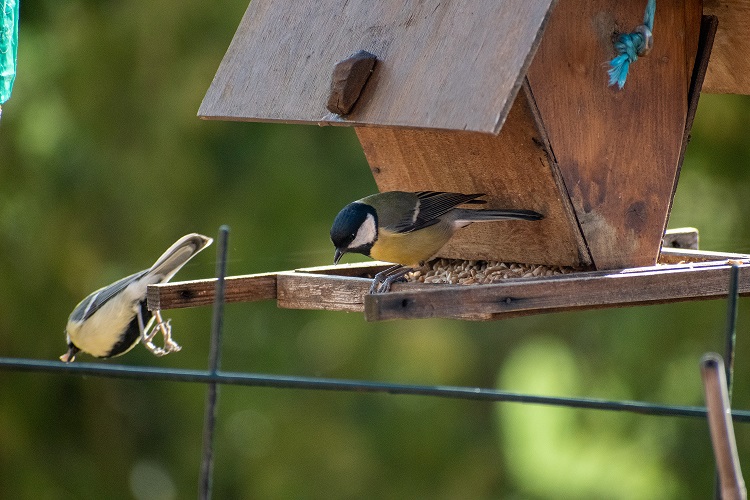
70,356
337,255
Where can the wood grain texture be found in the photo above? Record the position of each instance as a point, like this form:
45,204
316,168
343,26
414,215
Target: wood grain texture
248,288
654,285
440,64
617,151
512,168
729,69
297,290
321,292
326,290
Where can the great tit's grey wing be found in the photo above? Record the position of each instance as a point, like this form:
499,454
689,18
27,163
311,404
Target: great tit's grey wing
391,206
430,206
96,300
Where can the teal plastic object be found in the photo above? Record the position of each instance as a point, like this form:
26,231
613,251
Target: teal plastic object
8,48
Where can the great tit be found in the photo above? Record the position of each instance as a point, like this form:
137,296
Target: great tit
408,228
110,321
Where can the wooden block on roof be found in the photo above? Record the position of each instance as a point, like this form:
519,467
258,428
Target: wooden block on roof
443,65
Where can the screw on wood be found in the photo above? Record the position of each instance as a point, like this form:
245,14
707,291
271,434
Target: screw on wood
348,80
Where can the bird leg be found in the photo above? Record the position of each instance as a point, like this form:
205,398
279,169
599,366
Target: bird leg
380,277
151,330
382,281
392,278
166,330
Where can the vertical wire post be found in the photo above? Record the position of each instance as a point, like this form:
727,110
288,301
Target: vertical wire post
730,340
730,484
731,337
214,359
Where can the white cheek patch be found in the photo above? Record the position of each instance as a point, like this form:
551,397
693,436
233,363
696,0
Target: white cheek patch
366,234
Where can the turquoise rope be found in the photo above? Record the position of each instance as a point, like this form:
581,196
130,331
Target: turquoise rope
628,46
8,48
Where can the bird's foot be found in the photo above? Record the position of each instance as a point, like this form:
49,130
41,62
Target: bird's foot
165,328
382,281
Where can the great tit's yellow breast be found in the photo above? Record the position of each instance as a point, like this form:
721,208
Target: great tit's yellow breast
410,249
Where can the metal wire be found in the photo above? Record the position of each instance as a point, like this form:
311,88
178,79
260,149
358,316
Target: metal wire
328,384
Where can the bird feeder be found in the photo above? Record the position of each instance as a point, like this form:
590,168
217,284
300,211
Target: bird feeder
506,98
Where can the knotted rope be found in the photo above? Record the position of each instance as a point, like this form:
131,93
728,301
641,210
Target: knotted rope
631,45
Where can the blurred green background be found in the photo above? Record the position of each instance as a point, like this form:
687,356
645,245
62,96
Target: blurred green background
104,164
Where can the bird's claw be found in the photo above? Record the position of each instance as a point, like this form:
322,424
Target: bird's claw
166,330
383,280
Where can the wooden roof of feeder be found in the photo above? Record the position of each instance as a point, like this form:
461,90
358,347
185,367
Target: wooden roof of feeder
505,98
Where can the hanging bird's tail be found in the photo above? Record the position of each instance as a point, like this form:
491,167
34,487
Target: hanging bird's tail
177,255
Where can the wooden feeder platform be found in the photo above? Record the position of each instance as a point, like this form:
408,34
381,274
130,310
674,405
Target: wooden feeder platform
680,275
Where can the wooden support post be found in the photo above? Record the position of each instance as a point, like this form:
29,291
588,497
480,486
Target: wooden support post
617,151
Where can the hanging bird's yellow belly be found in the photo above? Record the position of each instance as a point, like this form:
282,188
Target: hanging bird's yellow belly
409,249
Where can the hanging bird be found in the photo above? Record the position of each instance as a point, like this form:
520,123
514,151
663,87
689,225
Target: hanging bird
408,228
110,321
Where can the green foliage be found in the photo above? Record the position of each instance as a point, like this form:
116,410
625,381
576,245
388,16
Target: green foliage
104,164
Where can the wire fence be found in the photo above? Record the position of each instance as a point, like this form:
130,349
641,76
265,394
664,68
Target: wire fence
213,377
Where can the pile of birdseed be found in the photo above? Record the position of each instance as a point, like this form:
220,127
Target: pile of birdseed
480,272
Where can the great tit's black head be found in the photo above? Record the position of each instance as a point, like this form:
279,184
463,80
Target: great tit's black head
355,229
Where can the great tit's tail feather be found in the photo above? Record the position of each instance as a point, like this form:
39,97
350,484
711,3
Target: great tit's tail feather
487,215
178,254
